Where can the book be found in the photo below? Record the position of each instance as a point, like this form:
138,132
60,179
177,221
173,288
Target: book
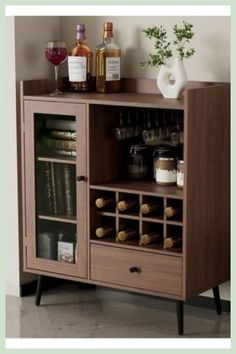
45,202
66,252
66,153
61,124
69,189
58,144
59,189
47,245
62,134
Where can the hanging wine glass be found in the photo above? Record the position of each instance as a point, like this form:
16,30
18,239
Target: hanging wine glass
56,53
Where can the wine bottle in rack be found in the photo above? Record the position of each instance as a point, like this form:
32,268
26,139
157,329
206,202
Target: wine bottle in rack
148,238
126,234
171,242
126,204
103,202
171,211
148,208
104,231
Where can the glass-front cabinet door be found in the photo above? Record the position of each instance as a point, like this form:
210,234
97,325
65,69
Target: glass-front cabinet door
55,193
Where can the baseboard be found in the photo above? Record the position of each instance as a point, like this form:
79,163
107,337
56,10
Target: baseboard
49,283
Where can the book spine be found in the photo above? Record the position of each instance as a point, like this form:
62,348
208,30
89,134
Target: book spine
58,144
69,190
54,196
59,185
62,134
47,182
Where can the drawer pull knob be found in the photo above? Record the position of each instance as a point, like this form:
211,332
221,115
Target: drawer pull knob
134,270
81,178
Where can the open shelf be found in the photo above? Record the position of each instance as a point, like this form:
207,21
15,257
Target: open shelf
147,187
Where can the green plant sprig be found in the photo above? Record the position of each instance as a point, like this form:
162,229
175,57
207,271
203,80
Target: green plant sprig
162,46
183,35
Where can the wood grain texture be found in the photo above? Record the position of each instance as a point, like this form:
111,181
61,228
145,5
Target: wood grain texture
207,189
156,272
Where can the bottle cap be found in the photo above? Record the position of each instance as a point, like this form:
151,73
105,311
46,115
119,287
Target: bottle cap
100,232
80,31
108,29
169,211
108,26
145,239
168,243
122,205
100,202
145,208
122,235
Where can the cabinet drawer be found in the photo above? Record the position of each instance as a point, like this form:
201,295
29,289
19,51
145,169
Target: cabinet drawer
155,272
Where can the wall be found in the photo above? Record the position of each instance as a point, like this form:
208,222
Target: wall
211,61
26,61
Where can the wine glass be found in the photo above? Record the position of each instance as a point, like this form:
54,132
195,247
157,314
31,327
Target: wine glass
56,53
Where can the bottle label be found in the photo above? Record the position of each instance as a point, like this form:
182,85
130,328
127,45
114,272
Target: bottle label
77,69
165,176
112,69
180,179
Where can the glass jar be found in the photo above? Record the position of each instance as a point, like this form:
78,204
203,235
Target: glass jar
164,151
180,174
138,161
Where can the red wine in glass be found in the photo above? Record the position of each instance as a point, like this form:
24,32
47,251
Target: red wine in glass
56,53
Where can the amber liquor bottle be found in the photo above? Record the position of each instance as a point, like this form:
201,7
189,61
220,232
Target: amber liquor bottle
108,56
80,63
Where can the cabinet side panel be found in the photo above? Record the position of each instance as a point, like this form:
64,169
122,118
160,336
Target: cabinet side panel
207,209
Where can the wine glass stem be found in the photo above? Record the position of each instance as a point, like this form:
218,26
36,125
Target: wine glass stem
56,77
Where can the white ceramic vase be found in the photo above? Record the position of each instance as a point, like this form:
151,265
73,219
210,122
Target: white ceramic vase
172,80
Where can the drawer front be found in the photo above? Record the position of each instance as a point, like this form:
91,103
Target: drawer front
155,272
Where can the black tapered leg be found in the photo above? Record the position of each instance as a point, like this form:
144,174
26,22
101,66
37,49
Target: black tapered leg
180,316
39,290
216,293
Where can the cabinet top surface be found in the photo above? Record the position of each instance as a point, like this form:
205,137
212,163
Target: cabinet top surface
120,99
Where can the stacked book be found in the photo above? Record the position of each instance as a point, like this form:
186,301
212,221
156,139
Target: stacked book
59,138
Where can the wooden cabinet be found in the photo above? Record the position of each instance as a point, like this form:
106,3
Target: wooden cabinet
100,170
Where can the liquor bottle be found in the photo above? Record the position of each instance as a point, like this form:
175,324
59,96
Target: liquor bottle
171,211
148,208
108,62
103,202
148,238
170,242
104,231
126,204
126,234
80,63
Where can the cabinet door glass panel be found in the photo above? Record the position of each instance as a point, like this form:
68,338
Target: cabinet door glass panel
55,172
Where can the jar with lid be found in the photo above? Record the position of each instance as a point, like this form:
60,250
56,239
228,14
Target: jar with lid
138,161
162,151
165,165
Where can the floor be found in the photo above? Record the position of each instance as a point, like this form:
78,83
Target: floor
70,312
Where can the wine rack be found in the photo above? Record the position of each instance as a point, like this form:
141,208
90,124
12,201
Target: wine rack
134,219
